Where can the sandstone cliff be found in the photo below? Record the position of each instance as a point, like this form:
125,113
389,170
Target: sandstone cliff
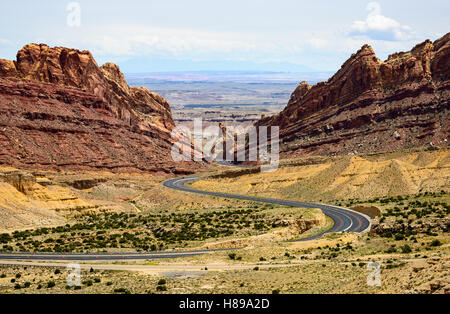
60,110
370,105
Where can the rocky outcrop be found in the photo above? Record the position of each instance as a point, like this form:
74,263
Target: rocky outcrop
371,211
25,203
60,110
370,105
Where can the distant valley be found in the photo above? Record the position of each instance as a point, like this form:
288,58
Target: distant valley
228,97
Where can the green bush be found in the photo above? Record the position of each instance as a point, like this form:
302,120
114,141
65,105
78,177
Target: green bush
51,284
399,237
88,283
122,290
406,249
436,242
161,288
391,249
161,282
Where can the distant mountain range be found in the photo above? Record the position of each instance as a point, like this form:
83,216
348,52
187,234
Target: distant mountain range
143,64
227,76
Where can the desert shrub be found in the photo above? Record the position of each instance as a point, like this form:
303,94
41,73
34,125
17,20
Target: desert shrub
406,249
161,288
391,249
122,290
5,238
161,282
436,242
88,283
51,284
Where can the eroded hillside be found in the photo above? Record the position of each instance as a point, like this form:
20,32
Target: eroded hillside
344,177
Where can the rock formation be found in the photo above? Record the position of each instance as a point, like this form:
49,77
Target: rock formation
370,105
60,110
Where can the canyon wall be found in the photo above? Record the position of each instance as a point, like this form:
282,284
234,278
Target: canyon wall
371,106
60,111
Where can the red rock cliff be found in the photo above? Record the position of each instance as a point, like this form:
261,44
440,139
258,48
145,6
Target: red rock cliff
370,105
60,110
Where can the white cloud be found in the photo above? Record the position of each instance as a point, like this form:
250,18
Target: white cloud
137,40
318,48
379,27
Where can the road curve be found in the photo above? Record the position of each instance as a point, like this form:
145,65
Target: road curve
344,219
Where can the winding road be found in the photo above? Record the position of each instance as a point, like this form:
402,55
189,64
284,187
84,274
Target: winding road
344,220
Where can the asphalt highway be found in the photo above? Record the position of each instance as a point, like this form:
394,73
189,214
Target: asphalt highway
344,219
98,256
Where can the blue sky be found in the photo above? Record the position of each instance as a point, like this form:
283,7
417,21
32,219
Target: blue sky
170,35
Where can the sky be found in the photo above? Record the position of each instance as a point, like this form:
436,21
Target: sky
240,35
